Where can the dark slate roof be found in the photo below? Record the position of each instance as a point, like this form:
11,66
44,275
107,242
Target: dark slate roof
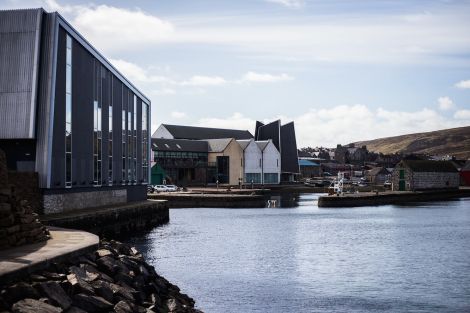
429,166
377,170
199,133
160,144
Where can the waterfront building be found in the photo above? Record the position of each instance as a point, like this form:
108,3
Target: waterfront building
227,155
198,133
309,169
271,162
377,175
69,115
252,161
465,173
180,162
414,175
283,138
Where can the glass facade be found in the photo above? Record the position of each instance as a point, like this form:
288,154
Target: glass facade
124,137
68,113
254,178
271,178
145,144
110,136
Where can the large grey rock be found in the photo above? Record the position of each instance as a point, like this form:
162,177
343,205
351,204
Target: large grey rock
91,303
34,306
108,264
74,309
79,285
122,307
56,294
19,291
103,289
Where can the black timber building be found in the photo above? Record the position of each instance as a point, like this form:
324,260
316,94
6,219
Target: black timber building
69,115
283,137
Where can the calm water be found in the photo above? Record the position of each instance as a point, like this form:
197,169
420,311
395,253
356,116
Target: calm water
306,259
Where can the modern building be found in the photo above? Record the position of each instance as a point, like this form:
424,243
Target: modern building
271,162
179,161
227,156
309,169
69,115
252,161
283,138
198,133
414,175
465,173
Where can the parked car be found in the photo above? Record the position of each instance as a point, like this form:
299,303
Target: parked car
171,188
388,184
161,188
150,189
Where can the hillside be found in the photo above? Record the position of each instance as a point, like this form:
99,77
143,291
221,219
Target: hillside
453,141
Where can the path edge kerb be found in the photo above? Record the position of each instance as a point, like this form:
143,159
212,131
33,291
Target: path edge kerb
43,263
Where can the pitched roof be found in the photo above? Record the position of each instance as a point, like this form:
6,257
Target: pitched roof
199,133
429,166
160,144
244,143
218,145
262,144
377,170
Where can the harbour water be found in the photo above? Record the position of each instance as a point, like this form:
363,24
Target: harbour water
413,258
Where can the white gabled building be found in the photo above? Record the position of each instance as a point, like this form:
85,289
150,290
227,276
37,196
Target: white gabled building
252,162
271,162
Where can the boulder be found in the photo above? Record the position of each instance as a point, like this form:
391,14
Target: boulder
79,285
19,291
122,307
91,303
103,289
34,306
56,294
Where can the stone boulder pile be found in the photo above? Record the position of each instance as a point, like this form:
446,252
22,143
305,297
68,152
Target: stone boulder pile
115,278
18,223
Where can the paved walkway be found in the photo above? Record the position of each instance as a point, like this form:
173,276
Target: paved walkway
64,244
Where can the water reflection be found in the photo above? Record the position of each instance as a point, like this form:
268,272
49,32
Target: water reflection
305,259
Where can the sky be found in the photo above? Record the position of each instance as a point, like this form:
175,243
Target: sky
342,70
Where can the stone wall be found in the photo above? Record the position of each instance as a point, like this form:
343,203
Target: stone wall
19,223
66,202
435,180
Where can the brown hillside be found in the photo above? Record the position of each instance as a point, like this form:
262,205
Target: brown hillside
453,141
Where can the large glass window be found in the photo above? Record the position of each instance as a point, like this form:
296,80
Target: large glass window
124,137
145,142
134,140
254,178
68,113
271,178
110,135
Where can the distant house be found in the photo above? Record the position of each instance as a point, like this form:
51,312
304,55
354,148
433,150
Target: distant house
465,173
261,162
271,162
377,175
198,133
309,169
227,156
414,175
179,161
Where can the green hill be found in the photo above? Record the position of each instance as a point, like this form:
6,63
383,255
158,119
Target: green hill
453,141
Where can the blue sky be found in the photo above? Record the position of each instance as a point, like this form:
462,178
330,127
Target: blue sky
343,70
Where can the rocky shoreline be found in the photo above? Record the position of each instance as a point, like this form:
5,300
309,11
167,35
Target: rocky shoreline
114,278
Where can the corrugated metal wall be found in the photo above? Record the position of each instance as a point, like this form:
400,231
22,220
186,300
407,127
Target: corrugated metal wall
19,56
44,100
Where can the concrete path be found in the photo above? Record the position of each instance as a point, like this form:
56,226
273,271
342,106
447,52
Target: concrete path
64,244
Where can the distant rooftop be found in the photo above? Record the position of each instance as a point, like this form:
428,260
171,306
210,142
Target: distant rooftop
199,133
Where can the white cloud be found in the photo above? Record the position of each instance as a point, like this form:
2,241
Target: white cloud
163,92
289,3
349,123
137,73
464,84
178,115
199,80
445,103
265,78
462,115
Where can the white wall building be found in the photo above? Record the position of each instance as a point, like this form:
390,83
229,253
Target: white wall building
271,162
252,162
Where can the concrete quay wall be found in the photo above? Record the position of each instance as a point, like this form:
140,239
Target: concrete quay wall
211,200
372,199
113,221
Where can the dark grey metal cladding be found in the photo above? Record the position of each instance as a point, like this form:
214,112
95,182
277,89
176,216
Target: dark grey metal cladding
45,96
19,57
289,156
270,131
